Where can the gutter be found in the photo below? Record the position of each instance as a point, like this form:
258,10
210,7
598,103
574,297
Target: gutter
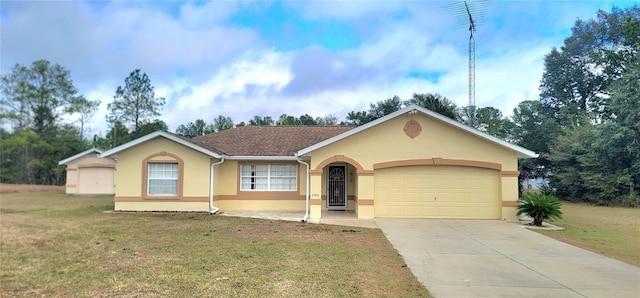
306,212
262,158
213,209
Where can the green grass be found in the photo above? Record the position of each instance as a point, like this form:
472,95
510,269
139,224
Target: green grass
57,245
610,231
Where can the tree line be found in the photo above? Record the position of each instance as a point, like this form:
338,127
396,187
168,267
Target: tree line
585,124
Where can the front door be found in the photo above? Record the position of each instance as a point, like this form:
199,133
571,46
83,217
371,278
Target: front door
337,187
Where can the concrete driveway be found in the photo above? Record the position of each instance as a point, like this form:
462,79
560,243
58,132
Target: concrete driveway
490,258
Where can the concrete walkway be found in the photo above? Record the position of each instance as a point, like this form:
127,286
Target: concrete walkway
489,258
330,218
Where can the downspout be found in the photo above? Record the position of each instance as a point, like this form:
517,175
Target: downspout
213,209
306,212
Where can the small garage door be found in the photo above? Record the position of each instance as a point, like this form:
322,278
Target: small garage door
95,180
437,192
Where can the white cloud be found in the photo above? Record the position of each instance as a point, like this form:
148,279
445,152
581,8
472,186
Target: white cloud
246,85
205,64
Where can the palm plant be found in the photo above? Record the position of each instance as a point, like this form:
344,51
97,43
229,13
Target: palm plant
540,207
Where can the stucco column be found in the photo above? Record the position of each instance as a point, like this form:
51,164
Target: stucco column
510,195
364,203
315,198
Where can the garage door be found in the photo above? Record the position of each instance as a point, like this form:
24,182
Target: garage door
437,192
95,181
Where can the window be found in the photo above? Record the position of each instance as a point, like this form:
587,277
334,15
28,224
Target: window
163,179
264,177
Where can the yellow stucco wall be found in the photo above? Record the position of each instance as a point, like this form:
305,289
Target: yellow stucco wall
71,186
162,206
260,205
130,180
129,168
226,178
509,194
388,142
228,196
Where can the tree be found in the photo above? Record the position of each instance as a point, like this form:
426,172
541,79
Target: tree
135,104
534,130
588,131
385,107
287,120
436,103
221,123
16,153
600,163
491,121
376,110
307,119
194,129
35,97
118,134
261,121
85,109
576,77
153,126
34,100
15,104
327,120
568,155
18,162
358,118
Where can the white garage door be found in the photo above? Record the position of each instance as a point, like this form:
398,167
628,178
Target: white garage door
95,181
437,192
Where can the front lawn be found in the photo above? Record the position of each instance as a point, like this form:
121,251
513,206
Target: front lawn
57,245
610,231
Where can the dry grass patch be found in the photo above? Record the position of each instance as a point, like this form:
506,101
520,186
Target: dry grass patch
12,188
58,245
610,231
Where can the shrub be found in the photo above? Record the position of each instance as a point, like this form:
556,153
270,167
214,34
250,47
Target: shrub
540,207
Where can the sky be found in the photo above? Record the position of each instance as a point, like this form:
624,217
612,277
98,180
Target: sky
267,58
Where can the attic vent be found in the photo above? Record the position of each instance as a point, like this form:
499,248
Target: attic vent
412,129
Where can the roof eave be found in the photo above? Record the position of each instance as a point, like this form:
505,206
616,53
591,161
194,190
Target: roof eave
530,155
81,154
521,152
261,158
305,151
154,135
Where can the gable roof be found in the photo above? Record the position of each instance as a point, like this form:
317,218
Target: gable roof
522,152
79,155
267,140
247,141
161,134
278,142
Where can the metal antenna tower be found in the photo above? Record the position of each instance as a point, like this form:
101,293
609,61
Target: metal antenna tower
472,69
464,12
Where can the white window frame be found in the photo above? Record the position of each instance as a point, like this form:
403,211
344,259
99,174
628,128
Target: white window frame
269,177
176,179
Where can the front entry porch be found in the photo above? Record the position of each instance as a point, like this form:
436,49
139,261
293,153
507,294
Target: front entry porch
340,184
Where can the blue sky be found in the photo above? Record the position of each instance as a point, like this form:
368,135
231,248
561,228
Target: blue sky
241,59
